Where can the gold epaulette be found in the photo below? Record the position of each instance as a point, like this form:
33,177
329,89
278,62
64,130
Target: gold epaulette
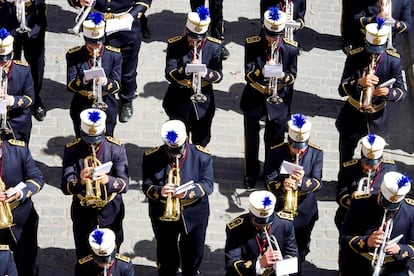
4,247
74,49
122,257
285,215
314,146
350,163
203,149
174,39
113,49
74,142
15,142
151,151
393,53
20,62
253,39
356,51
276,146
86,259
388,161
290,42
235,222
113,140
213,39
409,201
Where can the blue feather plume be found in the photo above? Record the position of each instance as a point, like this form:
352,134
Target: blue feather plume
267,201
3,33
299,120
171,136
203,12
274,13
380,22
97,236
371,138
94,116
96,17
403,181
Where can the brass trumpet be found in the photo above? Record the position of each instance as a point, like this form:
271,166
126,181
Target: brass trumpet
172,205
198,96
379,254
365,102
386,5
364,186
3,104
82,15
6,216
97,86
272,86
291,25
21,16
274,246
93,193
291,196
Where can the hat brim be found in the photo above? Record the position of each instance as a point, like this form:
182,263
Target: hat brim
92,139
4,58
272,34
104,259
196,35
370,162
94,40
390,206
175,150
375,49
262,221
297,145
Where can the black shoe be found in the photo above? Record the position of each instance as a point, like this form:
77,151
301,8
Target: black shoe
249,182
39,112
126,112
224,53
145,33
346,48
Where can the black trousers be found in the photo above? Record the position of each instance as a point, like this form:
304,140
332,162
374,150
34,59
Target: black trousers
173,243
34,53
216,16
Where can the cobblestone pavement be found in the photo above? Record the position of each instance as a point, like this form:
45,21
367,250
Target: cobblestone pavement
319,69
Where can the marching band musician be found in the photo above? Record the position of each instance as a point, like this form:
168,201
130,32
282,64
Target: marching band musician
299,9
21,179
254,101
217,23
123,13
248,250
29,38
82,58
180,235
369,169
104,257
188,49
365,240
19,92
7,264
365,79
306,180
80,175
365,12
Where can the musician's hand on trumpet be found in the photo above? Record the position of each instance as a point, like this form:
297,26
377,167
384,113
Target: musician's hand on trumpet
269,258
13,197
169,188
368,80
85,174
376,239
86,3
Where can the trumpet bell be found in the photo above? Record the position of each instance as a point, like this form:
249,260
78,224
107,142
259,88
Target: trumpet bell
274,99
24,29
198,98
101,105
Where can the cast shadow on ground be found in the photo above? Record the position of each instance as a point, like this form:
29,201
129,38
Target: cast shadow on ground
59,20
309,39
55,95
147,249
